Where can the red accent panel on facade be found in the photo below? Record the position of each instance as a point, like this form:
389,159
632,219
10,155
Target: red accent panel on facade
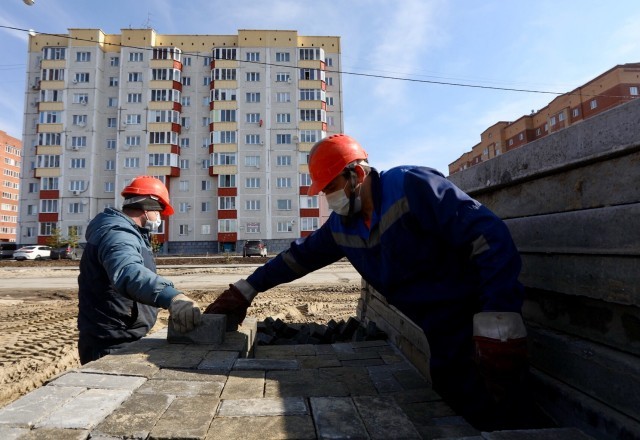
176,127
175,149
177,85
211,85
211,173
324,126
227,192
227,237
310,212
49,194
304,190
304,234
227,213
210,127
324,85
42,239
210,148
211,105
48,217
175,172
177,65
177,107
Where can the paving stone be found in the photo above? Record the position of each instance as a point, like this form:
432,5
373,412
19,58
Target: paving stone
244,385
28,410
450,432
305,350
416,395
337,418
85,410
352,356
135,364
11,433
175,356
362,362
342,347
135,417
287,406
275,352
254,428
303,383
218,361
237,342
425,412
197,375
355,379
384,419
324,349
266,364
449,420
538,434
321,361
186,418
57,434
211,330
103,381
181,387
410,379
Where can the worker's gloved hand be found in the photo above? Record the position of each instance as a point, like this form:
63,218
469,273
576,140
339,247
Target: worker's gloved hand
234,303
184,312
500,340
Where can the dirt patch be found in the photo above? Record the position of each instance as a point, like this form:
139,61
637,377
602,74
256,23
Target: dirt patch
39,335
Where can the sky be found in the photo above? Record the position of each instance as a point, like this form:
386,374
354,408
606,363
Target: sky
422,79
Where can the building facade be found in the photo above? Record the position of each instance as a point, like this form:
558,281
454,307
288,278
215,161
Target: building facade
610,89
10,164
225,121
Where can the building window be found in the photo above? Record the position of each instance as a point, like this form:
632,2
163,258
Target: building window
78,141
132,141
283,182
283,97
54,53
633,91
224,74
186,80
205,229
47,228
184,164
252,139
184,186
134,119
253,118
112,102
81,77
114,61
183,229
252,205
308,223
134,97
593,104
132,162
553,121
83,57
283,77
226,203
283,161
77,185
80,120
206,80
185,101
305,179
252,56
283,204
76,208
575,112
184,142
308,202
113,81
252,182
109,187
186,61
136,56
111,144
49,206
285,226
226,181
111,122
253,76
227,225
283,139
283,57
252,161
224,158
205,185
253,97
109,165
283,118
77,163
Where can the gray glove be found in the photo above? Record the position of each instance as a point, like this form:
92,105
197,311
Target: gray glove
184,312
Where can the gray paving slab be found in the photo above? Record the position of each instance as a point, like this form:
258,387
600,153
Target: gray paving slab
266,364
384,419
12,433
181,387
197,375
261,428
186,418
85,410
218,361
337,418
176,356
303,383
103,381
363,362
321,361
355,379
538,434
286,406
211,330
353,356
244,385
31,408
133,364
56,434
135,417
275,352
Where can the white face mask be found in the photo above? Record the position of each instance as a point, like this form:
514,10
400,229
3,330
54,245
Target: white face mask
153,225
339,202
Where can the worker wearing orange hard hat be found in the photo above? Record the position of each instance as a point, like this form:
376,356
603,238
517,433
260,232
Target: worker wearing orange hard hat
119,289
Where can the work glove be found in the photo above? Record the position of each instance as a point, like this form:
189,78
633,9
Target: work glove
234,303
184,312
500,341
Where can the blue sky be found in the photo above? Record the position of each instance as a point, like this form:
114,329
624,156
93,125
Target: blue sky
550,46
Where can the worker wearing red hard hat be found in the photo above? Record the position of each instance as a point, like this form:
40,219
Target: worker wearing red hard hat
119,290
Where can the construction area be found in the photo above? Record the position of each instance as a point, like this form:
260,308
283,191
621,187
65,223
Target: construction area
571,202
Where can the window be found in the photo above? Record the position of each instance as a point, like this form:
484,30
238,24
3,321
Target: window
283,182
307,202
47,228
132,162
76,208
34,188
283,97
109,164
50,117
83,57
224,115
77,185
328,62
205,229
32,209
311,95
311,53
80,98
308,223
575,112
78,141
49,183
329,100
283,118
224,54
224,74
224,158
109,187
54,53
223,137
283,77
226,181
48,206
165,95
520,138
206,80
111,144
184,207
184,186
305,179
311,136
184,142
329,80
253,97
311,74
205,206
186,80
113,81
77,163
283,139
538,131
312,115
184,164
186,61
223,95
553,121
205,185
561,117
285,227
227,225
283,57
114,61
252,139
593,104
81,77
111,122
252,205
252,56
206,61
283,204
283,161
633,91
134,97
226,203
253,228
252,161
185,101
183,229
206,121
132,141
133,119
252,182
80,120
136,56
253,118
253,76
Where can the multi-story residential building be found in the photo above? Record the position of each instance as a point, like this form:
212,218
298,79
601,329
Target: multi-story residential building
10,163
612,88
225,121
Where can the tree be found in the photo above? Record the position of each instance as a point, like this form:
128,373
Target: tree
55,239
155,244
73,237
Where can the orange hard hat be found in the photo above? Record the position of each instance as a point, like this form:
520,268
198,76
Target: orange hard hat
329,156
152,187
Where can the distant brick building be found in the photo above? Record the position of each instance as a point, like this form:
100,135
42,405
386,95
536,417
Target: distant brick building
10,162
610,89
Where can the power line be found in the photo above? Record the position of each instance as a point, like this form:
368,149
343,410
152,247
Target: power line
344,72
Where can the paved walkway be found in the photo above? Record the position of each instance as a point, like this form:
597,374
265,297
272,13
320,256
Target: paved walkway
156,390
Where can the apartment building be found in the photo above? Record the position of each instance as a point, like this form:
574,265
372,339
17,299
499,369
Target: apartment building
225,121
10,163
616,86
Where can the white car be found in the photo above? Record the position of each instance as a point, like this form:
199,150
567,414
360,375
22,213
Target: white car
36,252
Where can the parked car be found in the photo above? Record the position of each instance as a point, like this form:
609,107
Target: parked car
35,252
254,247
68,252
7,249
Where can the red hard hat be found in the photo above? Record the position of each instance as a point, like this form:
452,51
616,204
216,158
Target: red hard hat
329,157
149,186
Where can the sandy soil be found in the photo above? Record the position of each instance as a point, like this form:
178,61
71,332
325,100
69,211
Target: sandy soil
38,327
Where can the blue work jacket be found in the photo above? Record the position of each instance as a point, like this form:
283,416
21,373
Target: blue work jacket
119,290
435,253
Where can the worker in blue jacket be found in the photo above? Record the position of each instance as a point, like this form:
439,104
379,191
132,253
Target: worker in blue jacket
119,290
439,256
